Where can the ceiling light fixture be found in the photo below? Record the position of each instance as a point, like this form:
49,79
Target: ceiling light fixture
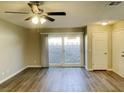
35,20
42,20
104,23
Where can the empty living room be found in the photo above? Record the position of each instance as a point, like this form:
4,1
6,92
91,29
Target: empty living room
61,46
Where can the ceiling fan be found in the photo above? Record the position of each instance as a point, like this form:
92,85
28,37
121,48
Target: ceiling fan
38,13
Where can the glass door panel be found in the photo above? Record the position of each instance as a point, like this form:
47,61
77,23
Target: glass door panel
55,50
72,50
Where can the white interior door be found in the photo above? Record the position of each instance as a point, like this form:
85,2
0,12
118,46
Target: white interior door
100,50
118,52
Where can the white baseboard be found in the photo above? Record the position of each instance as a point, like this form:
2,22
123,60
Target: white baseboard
33,66
109,70
12,75
118,73
89,69
7,78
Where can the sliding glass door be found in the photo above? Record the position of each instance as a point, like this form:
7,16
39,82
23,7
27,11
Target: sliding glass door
64,50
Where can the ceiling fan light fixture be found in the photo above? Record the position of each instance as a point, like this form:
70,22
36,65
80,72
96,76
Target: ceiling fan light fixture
42,20
35,20
104,23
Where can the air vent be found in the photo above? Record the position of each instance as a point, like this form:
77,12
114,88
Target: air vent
115,3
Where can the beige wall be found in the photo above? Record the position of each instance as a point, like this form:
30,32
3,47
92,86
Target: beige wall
118,25
34,48
59,30
12,49
97,28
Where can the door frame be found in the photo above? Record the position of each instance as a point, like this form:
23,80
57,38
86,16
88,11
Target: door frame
62,64
114,59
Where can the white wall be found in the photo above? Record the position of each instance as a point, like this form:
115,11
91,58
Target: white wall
12,49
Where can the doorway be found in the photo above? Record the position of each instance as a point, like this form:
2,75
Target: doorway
65,50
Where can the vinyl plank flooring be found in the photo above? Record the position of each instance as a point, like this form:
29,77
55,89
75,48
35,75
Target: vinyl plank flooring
63,80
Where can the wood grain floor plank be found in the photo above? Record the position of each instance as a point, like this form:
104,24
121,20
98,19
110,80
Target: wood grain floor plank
63,80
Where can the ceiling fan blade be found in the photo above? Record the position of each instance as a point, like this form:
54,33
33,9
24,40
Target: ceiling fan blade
30,5
29,18
49,18
56,13
16,12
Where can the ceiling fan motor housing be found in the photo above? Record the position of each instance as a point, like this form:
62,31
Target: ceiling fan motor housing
37,3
